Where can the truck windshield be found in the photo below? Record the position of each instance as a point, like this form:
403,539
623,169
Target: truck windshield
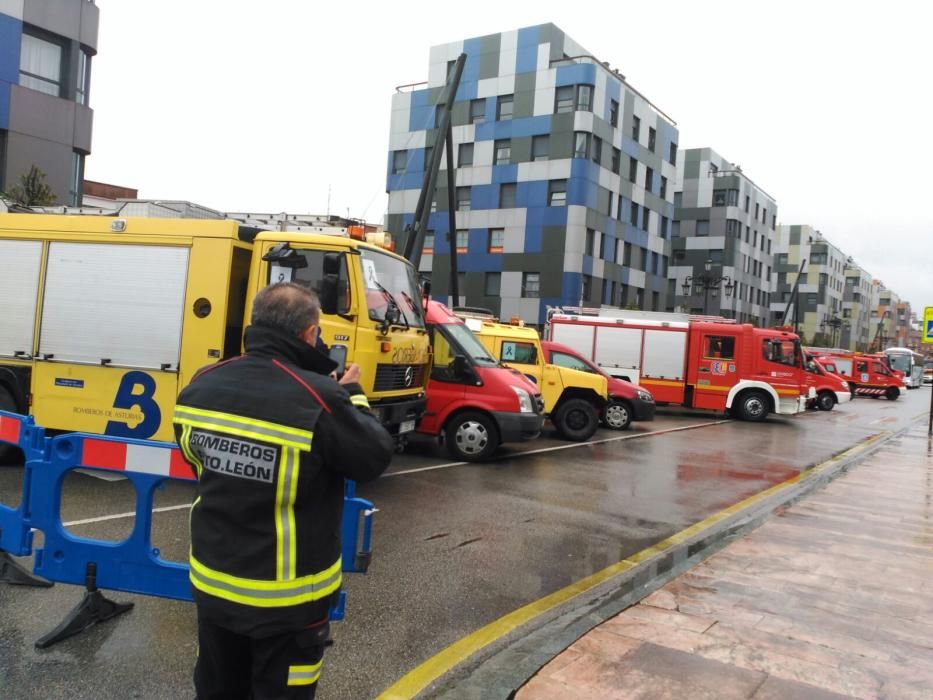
461,338
391,282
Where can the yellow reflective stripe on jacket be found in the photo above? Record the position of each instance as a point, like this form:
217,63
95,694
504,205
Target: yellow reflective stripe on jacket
188,453
262,592
304,674
285,491
359,400
244,427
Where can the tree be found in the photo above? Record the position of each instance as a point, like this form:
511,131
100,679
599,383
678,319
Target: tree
32,191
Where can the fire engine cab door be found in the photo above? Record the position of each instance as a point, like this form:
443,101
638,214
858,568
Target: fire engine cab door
716,374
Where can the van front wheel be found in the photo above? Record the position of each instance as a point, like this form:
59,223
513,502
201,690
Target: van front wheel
471,436
753,406
576,419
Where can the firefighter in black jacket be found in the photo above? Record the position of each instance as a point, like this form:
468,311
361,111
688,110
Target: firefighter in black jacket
271,439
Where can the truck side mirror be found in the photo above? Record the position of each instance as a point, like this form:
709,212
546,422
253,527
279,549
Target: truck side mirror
330,283
460,366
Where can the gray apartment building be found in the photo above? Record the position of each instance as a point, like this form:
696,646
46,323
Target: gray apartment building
564,177
721,251
856,307
46,48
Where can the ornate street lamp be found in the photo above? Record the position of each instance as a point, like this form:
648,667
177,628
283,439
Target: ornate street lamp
705,282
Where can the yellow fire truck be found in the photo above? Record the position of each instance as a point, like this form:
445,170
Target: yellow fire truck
105,319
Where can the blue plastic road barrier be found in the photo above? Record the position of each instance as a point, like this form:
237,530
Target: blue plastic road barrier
134,565
15,527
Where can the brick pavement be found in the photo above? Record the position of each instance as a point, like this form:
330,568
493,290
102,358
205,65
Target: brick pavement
829,599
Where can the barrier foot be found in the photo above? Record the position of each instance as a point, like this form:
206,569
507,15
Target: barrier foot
93,608
12,572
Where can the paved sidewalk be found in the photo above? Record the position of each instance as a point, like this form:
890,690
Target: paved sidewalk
833,598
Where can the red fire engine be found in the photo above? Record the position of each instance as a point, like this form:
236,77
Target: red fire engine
868,375
718,365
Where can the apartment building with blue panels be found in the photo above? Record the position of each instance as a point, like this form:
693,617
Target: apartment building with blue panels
564,177
46,48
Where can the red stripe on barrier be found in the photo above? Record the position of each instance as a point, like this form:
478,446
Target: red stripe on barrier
178,467
104,454
9,429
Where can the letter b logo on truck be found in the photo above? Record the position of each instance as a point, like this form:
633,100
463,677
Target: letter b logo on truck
136,390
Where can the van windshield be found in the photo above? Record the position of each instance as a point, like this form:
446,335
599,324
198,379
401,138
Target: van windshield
462,338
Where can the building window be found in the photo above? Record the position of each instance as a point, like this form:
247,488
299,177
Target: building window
649,179
504,107
632,170
627,255
613,112
715,255
678,200
734,228
581,144
508,195
588,242
563,99
664,224
633,215
703,227
40,65
586,288
616,160
597,151
557,193
428,152
540,146
463,199
747,200
675,229
645,218
672,154
531,285
764,216
464,154
477,111
636,128
77,170
503,152
400,162
428,246
663,191
585,98
83,78
463,240
719,198
493,284
652,135
732,198
496,240
756,211
811,300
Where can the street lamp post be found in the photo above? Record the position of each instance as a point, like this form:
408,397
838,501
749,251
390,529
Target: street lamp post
834,323
705,282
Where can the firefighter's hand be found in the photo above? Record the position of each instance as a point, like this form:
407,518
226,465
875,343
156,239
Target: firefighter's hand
351,374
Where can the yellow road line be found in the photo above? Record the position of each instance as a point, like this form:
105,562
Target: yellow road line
441,663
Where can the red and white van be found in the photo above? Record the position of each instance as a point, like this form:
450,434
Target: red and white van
867,375
474,404
830,387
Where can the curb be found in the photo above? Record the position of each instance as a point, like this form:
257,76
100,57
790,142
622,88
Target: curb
505,658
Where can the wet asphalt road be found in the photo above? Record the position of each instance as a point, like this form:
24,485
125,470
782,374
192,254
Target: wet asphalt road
456,547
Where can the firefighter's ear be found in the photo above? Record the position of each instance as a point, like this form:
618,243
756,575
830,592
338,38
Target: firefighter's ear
310,334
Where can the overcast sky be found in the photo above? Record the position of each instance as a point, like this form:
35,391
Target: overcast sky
284,105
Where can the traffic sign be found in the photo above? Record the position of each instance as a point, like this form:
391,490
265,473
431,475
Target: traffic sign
928,324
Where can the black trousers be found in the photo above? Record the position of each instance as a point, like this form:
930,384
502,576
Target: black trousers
233,666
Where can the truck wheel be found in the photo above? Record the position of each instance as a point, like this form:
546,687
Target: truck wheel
753,406
7,451
892,393
471,436
576,419
825,401
617,415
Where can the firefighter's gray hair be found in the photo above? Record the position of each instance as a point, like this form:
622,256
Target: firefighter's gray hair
286,306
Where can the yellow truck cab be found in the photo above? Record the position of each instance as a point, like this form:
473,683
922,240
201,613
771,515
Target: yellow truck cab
105,319
572,399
